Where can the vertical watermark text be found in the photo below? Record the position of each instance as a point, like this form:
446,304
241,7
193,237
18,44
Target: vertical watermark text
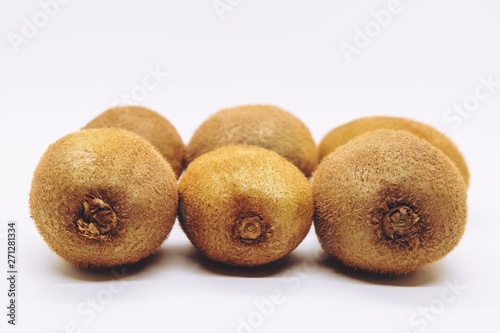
12,248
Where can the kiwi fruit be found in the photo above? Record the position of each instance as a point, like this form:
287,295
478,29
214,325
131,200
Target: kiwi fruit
103,198
342,134
388,202
148,124
266,126
244,205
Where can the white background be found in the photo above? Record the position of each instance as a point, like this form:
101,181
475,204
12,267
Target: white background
429,56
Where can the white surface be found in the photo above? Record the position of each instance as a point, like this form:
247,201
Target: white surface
427,58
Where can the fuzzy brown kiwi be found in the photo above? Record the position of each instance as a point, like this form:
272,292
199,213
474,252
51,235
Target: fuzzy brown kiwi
148,124
389,202
103,197
342,134
266,126
244,205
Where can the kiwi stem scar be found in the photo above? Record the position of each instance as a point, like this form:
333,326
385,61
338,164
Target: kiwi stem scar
249,228
399,222
97,219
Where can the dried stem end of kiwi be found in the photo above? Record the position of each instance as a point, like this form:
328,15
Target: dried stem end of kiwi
96,219
250,228
400,222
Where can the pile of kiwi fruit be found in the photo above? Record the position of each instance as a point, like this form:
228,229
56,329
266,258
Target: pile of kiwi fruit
385,195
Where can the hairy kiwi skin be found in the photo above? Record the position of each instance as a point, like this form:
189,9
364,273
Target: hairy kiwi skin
148,124
244,205
103,198
388,202
265,126
342,134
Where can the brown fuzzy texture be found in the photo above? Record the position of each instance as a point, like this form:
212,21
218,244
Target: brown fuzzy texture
103,198
265,126
148,124
342,134
244,205
389,202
